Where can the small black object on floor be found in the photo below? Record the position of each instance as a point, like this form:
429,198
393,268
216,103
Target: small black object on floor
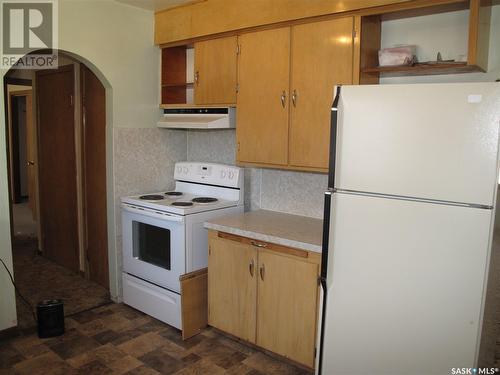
50,317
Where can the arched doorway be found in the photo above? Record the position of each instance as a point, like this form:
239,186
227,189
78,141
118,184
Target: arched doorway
69,112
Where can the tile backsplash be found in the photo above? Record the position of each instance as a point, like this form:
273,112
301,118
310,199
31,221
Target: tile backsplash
296,193
144,160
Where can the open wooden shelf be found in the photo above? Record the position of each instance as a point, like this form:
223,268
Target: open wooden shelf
370,26
423,69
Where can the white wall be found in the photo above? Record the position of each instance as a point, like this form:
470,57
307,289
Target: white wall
7,297
116,42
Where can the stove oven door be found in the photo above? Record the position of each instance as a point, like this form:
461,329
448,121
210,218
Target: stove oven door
154,246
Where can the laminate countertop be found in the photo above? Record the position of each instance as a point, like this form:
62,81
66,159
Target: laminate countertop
295,231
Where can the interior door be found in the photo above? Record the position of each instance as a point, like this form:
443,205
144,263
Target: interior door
263,70
215,64
232,287
94,170
31,155
322,56
286,306
57,165
405,286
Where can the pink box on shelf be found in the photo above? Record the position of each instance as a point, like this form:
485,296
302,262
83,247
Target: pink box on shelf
403,55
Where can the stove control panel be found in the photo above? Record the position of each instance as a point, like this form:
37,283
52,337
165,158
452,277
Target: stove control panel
209,173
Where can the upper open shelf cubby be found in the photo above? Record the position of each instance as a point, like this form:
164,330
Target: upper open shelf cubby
459,30
177,75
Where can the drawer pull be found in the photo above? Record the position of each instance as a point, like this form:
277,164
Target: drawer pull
251,267
258,244
262,272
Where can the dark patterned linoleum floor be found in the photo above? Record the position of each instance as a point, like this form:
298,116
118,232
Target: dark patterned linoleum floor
116,339
38,278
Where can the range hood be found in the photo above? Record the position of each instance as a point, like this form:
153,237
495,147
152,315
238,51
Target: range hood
198,118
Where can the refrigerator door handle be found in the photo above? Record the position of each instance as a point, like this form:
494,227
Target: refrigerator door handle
333,138
324,268
326,216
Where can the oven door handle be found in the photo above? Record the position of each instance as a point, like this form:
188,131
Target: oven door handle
151,213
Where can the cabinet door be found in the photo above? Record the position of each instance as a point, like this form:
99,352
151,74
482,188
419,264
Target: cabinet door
287,306
232,287
215,63
322,56
264,72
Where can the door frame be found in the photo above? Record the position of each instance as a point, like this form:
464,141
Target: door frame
114,234
11,81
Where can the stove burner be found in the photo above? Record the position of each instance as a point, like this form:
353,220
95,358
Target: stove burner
152,197
182,204
173,193
204,200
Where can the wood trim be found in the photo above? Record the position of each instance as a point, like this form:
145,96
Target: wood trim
194,302
180,6
7,150
370,31
285,167
267,245
421,69
425,11
13,145
237,29
356,50
479,33
193,274
17,81
64,68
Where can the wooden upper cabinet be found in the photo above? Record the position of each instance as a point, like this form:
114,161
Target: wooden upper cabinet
263,106
287,306
322,56
232,287
215,64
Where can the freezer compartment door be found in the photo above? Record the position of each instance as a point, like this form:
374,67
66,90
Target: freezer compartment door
434,141
405,286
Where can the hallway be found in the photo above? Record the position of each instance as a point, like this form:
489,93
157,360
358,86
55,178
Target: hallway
24,225
38,278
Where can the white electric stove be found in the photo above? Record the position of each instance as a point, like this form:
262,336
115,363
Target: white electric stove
164,238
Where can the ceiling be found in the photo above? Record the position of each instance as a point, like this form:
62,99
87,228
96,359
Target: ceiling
155,4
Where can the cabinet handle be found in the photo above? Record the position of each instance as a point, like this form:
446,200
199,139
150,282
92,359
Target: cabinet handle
294,97
197,77
251,267
262,271
258,244
283,98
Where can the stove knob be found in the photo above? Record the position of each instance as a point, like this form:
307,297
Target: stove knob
185,170
222,174
179,169
231,175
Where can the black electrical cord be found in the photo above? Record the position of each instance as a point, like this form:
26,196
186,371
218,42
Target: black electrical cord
18,292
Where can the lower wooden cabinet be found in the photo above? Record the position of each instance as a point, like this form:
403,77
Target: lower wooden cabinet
265,294
232,288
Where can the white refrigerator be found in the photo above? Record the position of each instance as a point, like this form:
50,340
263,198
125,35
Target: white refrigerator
408,233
